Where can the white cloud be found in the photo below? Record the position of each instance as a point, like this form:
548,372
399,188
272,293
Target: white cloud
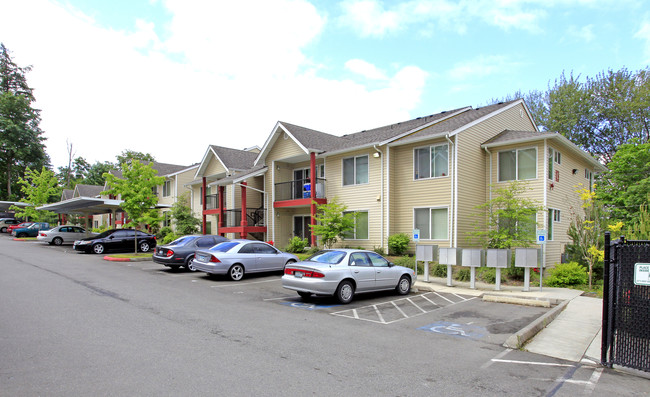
585,33
481,67
370,17
365,69
644,34
220,75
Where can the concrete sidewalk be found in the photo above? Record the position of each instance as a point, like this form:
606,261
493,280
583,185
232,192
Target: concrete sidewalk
569,331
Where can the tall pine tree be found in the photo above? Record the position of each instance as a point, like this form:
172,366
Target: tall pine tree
21,139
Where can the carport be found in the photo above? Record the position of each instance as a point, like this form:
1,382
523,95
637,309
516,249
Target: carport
86,206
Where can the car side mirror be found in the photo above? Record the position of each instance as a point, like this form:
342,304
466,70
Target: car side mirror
391,264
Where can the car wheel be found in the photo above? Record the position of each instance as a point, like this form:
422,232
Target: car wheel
404,285
236,272
3,230
144,246
21,235
304,295
345,292
189,263
57,241
290,261
98,248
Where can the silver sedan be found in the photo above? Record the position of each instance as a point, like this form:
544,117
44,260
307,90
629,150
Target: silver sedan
63,234
344,272
238,257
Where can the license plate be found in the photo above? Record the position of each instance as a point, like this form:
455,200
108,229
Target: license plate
298,274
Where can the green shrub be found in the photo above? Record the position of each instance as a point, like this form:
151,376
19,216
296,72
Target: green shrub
297,245
379,250
163,232
406,261
99,229
567,274
439,271
514,273
463,274
169,237
488,275
312,250
398,243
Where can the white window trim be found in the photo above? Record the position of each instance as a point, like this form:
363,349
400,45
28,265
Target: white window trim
415,162
355,225
169,189
355,170
559,220
433,208
517,164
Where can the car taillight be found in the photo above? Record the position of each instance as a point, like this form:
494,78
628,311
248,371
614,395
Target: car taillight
169,253
214,259
305,273
42,234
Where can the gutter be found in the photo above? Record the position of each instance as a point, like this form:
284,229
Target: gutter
381,221
453,193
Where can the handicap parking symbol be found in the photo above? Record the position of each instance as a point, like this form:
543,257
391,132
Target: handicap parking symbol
455,329
307,306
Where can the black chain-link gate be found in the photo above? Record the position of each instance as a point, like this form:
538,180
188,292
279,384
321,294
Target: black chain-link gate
626,306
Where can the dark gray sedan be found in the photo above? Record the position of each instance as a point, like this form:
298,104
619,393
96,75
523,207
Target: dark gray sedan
238,257
180,252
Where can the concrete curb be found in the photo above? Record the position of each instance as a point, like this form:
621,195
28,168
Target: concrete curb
517,300
517,340
114,259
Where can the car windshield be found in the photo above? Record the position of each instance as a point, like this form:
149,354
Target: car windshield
182,240
33,226
330,257
224,247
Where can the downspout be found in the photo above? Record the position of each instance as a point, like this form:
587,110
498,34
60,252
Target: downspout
272,201
490,180
452,225
544,185
381,220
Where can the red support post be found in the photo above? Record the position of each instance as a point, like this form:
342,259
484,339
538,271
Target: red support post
244,220
312,173
222,209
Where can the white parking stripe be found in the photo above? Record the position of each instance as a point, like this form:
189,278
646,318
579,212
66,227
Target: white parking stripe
498,356
400,310
448,300
381,318
430,301
414,304
532,363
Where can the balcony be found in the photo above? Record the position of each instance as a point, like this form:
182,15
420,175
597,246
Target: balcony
256,218
298,192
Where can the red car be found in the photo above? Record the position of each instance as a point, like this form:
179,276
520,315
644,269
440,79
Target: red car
18,226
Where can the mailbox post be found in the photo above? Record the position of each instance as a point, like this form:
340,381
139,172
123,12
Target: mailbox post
473,258
527,258
450,257
499,259
426,254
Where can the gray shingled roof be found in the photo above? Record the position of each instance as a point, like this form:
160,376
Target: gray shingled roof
507,136
89,190
67,194
313,139
166,169
235,158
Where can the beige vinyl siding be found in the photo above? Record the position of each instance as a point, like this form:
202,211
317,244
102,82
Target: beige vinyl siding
472,165
407,193
214,167
563,196
362,197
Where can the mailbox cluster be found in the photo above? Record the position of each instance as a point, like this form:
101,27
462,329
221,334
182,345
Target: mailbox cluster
473,258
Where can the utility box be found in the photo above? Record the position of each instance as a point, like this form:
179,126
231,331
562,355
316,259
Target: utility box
528,257
451,256
473,257
426,253
498,257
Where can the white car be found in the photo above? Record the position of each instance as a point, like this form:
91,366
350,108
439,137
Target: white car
63,234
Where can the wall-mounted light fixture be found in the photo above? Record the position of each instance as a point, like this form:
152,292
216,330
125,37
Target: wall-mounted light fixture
575,171
376,155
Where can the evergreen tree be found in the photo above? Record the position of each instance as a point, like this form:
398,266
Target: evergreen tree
21,139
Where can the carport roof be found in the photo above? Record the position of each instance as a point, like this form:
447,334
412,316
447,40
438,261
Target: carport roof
4,205
83,205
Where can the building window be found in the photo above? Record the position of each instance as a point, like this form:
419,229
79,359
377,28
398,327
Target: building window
590,177
553,217
517,164
167,188
431,162
554,157
167,219
360,231
355,170
432,223
524,229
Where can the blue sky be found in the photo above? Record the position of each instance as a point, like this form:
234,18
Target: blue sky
170,77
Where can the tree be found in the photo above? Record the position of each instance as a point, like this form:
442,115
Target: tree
135,189
95,173
598,113
510,218
38,188
639,228
183,218
588,225
129,155
332,222
626,186
21,139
